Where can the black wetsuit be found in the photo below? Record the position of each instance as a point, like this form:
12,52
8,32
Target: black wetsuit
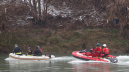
37,52
17,51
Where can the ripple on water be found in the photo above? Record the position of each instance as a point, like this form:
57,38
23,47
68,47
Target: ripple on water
123,60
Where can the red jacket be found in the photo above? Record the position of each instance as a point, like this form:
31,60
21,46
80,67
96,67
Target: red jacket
97,50
105,50
40,49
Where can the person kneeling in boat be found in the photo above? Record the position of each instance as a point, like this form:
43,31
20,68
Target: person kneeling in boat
97,51
17,50
37,52
105,51
29,51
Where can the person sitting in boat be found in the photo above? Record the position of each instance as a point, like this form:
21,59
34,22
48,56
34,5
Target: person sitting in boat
39,48
97,51
29,51
17,50
105,51
37,52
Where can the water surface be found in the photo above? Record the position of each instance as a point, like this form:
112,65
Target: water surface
62,63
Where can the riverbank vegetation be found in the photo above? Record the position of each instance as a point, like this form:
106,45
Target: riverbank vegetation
64,26
63,40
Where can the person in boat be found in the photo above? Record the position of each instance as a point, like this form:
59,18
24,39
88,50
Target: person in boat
37,52
39,48
17,50
97,51
29,51
91,50
105,51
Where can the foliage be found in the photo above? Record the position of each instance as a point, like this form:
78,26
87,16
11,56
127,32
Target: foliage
90,21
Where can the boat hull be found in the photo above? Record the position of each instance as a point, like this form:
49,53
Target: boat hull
78,55
24,57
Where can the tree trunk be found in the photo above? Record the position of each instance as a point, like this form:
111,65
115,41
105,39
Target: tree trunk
39,8
45,10
30,3
35,11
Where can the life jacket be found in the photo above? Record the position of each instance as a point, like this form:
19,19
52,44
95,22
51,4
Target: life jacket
19,53
106,50
97,49
29,52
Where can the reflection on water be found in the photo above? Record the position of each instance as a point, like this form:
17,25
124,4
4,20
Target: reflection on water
26,65
89,67
58,64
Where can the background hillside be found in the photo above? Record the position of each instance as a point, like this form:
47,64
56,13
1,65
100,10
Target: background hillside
62,26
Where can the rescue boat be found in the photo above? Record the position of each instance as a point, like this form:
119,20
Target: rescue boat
87,55
24,57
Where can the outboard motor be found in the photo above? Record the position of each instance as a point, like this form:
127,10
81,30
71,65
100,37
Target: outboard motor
49,55
113,60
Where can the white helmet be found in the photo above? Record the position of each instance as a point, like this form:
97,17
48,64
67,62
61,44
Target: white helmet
104,45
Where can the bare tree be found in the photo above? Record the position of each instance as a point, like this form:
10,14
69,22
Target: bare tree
34,9
39,9
39,13
45,5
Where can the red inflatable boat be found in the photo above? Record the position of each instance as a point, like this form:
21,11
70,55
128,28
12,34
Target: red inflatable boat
87,55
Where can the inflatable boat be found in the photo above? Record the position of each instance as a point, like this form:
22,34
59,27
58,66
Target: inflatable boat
87,55
24,57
